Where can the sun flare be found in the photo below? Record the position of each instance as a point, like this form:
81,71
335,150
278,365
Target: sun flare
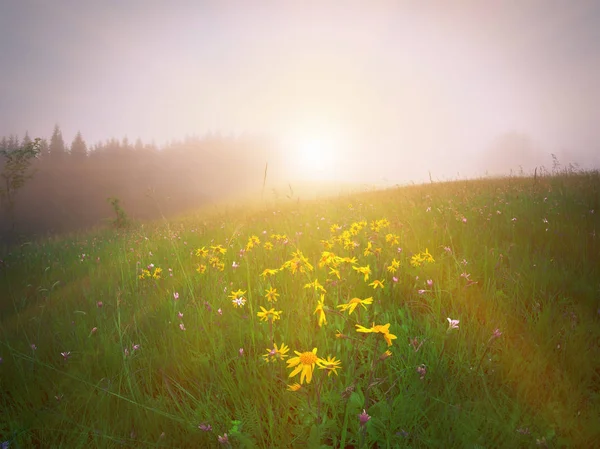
314,156
316,153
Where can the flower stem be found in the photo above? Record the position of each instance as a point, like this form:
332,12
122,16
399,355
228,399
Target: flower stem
319,383
371,374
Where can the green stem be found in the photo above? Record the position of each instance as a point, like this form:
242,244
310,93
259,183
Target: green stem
371,373
487,348
319,384
442,353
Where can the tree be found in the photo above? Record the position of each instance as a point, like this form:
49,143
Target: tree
57,145
78,148
13,142
44,149
15,173
139,145
26,140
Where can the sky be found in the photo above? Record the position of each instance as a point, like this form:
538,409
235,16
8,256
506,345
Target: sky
380,90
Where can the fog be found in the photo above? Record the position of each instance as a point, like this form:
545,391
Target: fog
324,92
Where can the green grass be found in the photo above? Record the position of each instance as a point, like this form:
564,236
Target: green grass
520,255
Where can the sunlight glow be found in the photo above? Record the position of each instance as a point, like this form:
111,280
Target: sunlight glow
313,156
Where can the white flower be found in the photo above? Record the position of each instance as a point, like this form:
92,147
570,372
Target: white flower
452,324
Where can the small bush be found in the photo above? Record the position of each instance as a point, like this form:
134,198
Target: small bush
122,220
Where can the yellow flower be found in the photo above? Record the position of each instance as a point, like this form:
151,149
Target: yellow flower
202,252
351,305
327,244
381,329
363,270
335,272
294,387
276,353
268,246
252,242
392,239
279,238
418,259
269,272
157,273
304,363
379,224
271,294
218,249
327,257
376,283
201,268
428,257
331,365
349,244
237,294
298,263
317,286
321,312
395,264
269,315
388,338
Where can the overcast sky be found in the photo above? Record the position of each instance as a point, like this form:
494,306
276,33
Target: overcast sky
422,84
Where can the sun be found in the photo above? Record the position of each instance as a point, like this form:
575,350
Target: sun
313,156
316,154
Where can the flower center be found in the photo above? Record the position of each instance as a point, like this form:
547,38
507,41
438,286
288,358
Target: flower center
308,358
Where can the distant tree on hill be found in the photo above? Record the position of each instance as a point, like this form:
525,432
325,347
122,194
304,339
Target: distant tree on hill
57,145
78,148
139,145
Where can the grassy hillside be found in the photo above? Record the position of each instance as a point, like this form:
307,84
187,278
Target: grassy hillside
463,314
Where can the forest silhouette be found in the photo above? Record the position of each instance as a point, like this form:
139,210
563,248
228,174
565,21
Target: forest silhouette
71,184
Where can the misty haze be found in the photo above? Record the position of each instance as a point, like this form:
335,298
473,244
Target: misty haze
191,100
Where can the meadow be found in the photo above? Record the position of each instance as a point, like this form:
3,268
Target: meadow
460,314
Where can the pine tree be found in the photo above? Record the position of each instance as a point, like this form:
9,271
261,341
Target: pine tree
44,149
139,145
26,140
13,143
57,145
79,148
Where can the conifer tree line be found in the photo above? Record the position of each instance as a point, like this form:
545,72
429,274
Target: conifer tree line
72,181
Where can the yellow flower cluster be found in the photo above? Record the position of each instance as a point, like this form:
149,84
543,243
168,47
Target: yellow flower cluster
147,273
298,263
378,225
418,259
252,242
